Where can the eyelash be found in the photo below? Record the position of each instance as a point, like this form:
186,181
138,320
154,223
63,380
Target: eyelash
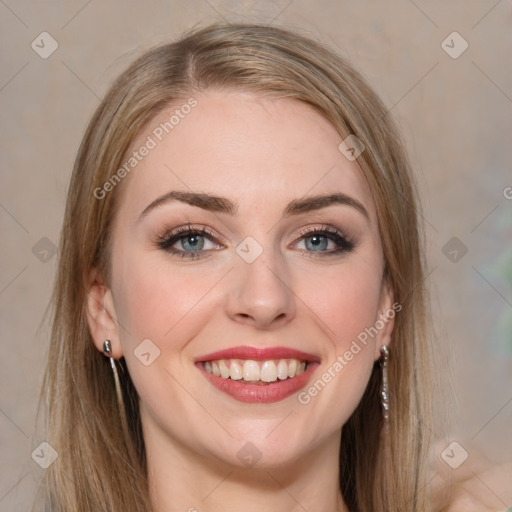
167,239
343,242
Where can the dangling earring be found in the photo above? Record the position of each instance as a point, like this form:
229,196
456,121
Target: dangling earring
384,392
107,350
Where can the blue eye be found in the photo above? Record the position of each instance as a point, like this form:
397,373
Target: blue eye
325,242
187,242
317,243
192,242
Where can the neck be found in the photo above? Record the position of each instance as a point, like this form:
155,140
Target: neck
182,480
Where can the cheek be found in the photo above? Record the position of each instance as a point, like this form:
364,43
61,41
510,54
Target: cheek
169,307
347,303
153,300
346,300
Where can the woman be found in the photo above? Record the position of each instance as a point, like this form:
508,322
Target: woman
240,310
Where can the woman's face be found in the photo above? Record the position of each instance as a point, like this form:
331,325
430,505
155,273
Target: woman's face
245,231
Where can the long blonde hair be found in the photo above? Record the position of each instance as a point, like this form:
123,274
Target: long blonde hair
101,463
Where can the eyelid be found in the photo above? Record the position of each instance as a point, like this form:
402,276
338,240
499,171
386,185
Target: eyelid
167,237
167,233
347,243
323,228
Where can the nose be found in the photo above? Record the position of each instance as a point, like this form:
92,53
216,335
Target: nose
259,294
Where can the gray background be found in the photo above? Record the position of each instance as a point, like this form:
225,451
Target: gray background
456,114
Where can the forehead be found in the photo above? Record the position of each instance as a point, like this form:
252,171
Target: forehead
242,146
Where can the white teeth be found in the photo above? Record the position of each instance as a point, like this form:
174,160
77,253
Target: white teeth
253,371
224,370
292,368
282,370
268,371
235,371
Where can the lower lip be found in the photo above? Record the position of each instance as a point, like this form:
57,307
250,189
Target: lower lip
261,394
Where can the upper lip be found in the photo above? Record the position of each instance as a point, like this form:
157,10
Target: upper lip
259,354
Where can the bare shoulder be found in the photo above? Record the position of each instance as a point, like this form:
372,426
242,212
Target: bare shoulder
464,480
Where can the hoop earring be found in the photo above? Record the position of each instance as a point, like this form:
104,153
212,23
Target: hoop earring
384,391
107,350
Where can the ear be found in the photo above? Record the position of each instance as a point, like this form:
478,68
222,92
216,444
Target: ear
101,315
385,320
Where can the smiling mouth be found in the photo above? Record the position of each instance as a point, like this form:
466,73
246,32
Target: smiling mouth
255,372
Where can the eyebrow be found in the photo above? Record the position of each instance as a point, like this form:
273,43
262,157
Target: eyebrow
223,205
312,203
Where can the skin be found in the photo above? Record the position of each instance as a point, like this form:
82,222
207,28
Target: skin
261,154
477,485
